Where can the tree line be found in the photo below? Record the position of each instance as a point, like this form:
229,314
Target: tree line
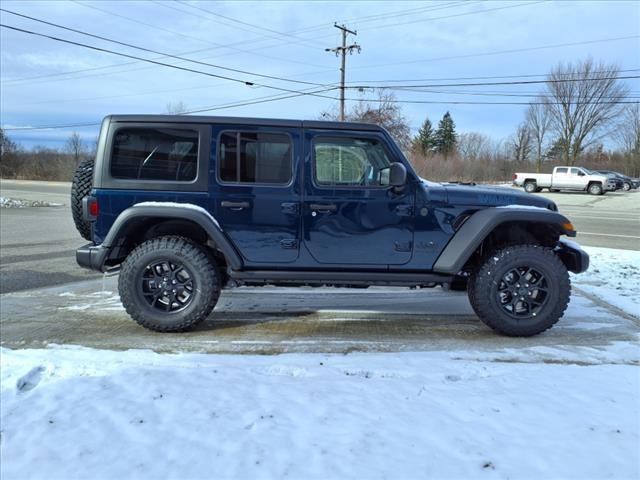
582,107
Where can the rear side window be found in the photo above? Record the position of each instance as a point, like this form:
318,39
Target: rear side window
163,154
562,170
249,157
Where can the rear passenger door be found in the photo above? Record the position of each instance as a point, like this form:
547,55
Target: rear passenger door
257,191
561,178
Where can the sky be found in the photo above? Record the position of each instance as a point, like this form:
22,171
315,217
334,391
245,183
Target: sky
45,82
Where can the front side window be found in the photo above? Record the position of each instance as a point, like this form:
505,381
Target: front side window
575,171
249,157
343,161
164,154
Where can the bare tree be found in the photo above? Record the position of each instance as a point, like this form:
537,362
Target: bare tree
75,147
473,145
383,111
538,122
583,99
628,136
521,144
177,108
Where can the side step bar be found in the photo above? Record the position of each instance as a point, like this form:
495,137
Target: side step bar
338,278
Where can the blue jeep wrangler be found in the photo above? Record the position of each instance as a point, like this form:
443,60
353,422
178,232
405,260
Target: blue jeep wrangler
183,206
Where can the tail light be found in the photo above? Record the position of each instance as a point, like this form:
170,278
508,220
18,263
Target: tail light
90,208
515,176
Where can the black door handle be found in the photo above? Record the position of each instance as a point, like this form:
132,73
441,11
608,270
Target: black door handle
324,207
234,205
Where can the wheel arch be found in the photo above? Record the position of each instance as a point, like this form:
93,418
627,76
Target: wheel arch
493,227
142,222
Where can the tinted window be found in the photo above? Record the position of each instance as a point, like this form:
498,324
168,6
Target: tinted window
562,170
254,158
155,154
349,161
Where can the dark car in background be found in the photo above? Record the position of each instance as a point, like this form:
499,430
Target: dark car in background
627,183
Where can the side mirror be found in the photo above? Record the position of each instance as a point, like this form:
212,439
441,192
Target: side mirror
581,174
395,175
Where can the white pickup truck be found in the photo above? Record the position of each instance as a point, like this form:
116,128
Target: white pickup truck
565,178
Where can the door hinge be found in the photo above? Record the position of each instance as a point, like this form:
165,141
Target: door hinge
289,243
404,210
403,246
290,208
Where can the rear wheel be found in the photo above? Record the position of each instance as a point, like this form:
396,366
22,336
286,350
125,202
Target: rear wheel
169,284
530,187
80,188
520,290
596,189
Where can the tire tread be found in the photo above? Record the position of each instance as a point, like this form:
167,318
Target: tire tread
202,261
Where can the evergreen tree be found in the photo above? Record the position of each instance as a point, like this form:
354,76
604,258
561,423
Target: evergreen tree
426,139
446,137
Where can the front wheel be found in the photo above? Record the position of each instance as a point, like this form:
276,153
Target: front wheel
521,290
169,284
596,189
626,186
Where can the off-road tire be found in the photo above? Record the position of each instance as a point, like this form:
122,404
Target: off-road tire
530,187
626,186
595,189
199,263
483,292
80,188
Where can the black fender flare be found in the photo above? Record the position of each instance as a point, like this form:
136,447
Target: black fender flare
477,227
168,210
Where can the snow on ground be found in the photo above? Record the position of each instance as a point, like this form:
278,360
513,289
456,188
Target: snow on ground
81,413
6,202
613,276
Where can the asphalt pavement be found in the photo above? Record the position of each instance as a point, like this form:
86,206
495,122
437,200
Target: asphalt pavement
37,244
298,320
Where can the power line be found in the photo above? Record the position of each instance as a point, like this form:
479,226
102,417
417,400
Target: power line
241,22
253,101
500,52
441,79
461,14
100,37
217,45
480,84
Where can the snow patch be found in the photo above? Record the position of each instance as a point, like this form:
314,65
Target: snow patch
6,202
508,414
613,276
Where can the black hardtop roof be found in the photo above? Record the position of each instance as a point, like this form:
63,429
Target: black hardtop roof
271,122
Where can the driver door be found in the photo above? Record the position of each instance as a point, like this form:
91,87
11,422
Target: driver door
350,216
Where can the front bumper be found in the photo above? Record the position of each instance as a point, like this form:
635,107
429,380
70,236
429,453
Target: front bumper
92,257
572,255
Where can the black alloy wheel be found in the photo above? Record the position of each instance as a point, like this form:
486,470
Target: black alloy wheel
167,286
522,292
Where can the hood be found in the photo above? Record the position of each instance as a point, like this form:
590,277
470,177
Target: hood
491,196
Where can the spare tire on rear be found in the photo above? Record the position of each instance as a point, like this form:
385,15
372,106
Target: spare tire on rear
80,188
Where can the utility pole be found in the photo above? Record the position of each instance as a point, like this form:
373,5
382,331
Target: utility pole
342,50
